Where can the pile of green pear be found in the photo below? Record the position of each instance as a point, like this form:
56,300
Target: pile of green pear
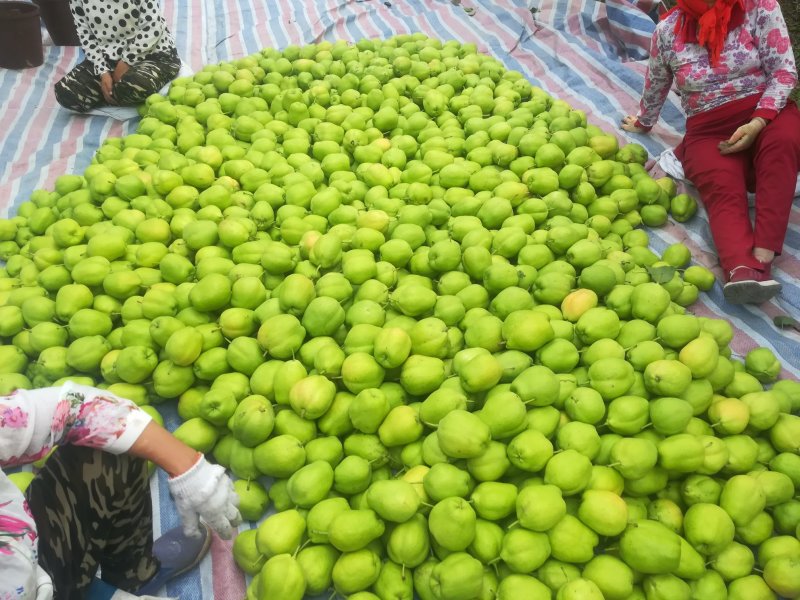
406,298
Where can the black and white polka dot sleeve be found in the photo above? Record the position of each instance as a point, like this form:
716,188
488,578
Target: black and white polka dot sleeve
92,46
149,31
114,30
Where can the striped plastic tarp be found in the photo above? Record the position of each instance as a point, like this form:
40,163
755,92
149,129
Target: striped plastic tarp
588,53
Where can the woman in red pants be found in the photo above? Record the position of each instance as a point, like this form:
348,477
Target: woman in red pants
734,68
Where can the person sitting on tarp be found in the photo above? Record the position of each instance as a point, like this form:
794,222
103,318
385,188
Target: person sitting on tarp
130,54
734,68
89,506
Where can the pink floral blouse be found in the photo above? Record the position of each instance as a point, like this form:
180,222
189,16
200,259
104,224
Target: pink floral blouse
32,422
756,59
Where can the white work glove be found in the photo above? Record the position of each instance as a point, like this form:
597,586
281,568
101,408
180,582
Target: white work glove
44,585
205,491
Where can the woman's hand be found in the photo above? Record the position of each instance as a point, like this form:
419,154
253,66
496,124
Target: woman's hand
743,137
120,70
629,124
200,489
107,87
205,491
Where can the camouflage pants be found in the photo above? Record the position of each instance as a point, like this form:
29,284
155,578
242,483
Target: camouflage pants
93,509
79,90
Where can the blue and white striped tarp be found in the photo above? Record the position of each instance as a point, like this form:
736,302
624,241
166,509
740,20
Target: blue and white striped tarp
589,53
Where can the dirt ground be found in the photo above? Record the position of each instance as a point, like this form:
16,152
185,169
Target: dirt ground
791,12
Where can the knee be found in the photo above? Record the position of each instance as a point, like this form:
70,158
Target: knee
68,98
63,95
784,138
129,91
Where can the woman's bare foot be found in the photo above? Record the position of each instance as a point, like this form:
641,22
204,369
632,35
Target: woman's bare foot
763,255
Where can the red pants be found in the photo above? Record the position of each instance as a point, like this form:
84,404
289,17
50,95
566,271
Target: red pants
769,168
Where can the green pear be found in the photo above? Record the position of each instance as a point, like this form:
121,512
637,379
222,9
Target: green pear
708,528
488,541
605,512
311,483
572,541
393,500
666,587
530,451
522,586
452,523
580,589
569,470
408,543
353,530
612,576
742,498
751,587
734,561
650,547
540,507
523,551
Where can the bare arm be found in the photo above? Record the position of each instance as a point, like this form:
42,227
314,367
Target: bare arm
164,449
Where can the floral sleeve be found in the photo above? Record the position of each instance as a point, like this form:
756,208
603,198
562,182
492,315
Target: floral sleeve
32,422
777,59
657,83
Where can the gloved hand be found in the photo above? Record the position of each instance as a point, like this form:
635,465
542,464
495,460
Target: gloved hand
44,585
205,491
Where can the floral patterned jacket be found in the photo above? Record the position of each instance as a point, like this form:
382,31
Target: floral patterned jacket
757,59
32,422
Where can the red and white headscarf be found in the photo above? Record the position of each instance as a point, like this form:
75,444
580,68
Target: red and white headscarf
707,25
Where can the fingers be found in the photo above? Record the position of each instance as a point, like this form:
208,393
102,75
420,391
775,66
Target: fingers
742,144
737,135
233,497
221,525
233,516
191,522
736,143
107,87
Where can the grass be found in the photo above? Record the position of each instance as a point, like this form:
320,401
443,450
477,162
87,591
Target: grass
791,12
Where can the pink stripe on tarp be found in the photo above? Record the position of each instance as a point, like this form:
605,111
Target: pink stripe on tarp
794,217
237,48
397,24
363,21
576,26
65,149
228,579
12,114
630,37
196,37
789,264
260,12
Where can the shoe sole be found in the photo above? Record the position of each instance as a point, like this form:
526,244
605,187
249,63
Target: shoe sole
165,575
750,292
200,555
